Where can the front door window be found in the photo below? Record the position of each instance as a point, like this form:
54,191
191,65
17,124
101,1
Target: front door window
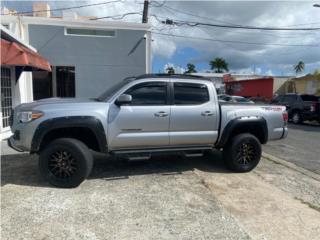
145,122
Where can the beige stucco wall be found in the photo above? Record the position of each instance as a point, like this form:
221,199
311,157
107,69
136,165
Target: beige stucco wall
309,84
279,85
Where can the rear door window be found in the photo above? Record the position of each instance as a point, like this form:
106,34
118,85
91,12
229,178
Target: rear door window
289,98
277,99
190,93
310,98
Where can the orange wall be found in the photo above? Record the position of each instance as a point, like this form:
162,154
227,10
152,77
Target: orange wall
251,88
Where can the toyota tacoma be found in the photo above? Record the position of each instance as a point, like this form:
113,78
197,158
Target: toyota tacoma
139,117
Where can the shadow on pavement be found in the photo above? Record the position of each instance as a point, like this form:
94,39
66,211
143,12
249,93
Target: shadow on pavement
22,169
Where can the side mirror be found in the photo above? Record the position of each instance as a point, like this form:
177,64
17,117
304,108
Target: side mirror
123,99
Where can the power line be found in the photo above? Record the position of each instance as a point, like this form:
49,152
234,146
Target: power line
195,24
216,20
264,33
237,42
66,8
175,10
237,31
232,25
117,17
157,4
199,24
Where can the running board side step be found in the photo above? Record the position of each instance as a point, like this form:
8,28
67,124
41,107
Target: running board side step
185,150
134,157
195,154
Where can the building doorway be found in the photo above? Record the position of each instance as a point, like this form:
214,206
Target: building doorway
58,83
6,98
42,84
65,78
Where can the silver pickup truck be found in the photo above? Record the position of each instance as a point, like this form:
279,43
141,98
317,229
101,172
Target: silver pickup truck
139,117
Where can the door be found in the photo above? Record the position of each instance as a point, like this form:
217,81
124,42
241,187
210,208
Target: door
194,115
145,122
6,98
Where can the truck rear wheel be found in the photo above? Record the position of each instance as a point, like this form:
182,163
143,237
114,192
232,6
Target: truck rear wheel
296,118
242,153
65,162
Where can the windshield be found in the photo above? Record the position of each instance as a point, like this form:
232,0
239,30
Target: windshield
112,90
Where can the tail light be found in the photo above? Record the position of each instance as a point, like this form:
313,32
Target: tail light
285,116
313,106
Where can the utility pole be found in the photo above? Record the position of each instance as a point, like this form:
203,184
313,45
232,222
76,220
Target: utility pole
145,11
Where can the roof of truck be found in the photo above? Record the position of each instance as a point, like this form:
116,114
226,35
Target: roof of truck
166,75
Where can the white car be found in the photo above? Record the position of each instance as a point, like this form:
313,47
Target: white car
234,99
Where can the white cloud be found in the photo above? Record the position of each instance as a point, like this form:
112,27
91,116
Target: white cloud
177,69
269,72
239,56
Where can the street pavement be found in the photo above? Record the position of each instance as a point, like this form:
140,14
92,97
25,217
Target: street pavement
167,197
301,147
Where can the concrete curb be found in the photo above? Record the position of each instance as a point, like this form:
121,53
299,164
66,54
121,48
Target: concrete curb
291,166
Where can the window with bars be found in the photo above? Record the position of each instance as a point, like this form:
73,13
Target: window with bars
6,96
65,81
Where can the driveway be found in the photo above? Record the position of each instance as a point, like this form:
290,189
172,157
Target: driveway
301,147
167,197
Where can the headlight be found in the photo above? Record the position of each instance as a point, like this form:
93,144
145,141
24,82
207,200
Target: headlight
29,116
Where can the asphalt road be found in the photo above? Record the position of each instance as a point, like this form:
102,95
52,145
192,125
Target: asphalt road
301,147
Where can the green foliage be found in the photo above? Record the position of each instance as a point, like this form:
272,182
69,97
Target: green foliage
219,65
299,67
191,68
170,70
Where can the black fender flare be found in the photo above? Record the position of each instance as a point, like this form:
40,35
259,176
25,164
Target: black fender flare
89,122
242,122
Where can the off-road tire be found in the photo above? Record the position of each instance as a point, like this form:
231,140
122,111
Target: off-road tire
58,169
242,153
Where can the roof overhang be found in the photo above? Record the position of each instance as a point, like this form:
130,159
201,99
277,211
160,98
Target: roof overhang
101,24
14,53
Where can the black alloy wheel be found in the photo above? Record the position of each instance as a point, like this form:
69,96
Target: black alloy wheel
65,162
246,154
62,164
242,153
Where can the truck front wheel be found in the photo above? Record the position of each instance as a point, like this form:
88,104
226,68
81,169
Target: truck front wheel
242,153
65,162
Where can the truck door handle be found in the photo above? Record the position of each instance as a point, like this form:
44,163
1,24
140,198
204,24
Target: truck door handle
161,114
207,113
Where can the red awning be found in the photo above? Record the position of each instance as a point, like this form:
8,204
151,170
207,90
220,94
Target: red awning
15,54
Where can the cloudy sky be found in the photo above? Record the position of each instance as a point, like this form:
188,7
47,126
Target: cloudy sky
246,51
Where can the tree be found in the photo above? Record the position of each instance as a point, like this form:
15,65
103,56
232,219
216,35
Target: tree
170,70
191,68
299,67
219,65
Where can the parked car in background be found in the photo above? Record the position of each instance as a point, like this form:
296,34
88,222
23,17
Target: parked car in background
233,99
301,107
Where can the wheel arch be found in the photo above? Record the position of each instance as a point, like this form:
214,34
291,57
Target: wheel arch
87,129
256,126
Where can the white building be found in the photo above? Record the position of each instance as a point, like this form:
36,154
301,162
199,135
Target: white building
216,78
86,56
16,75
